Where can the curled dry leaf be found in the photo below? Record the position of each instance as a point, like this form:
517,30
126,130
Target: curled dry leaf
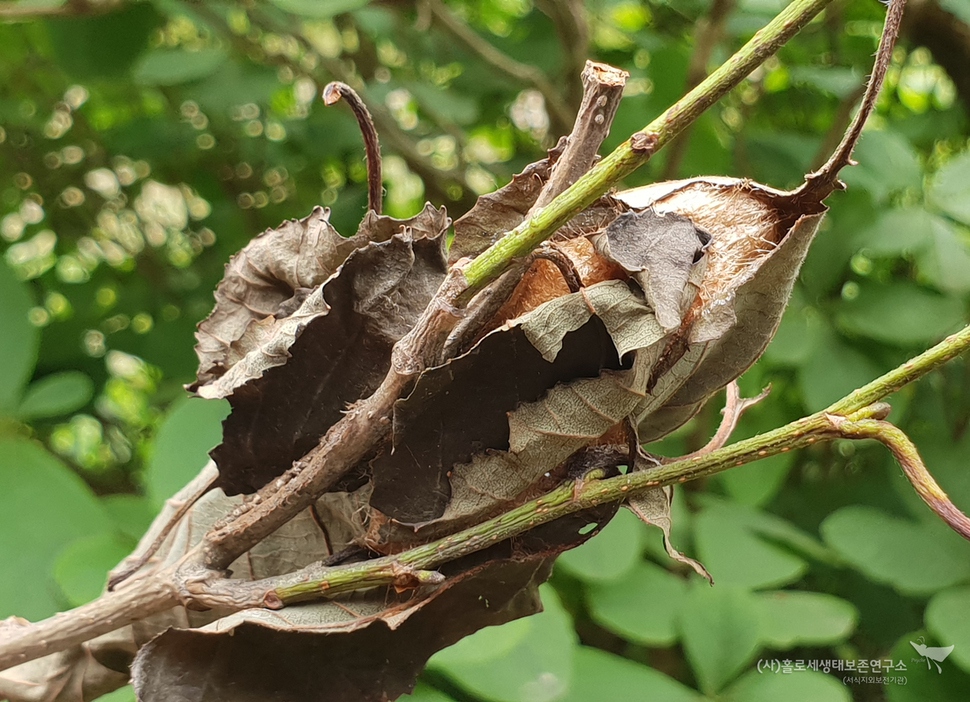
546,385
268,278
701,271
759,239
292,372
653,507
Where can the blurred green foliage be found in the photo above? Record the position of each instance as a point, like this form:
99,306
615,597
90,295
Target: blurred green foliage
142,146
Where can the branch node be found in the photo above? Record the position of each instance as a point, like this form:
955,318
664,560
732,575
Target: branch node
644,143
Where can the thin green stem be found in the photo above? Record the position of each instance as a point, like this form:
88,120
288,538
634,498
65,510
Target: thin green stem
852,417
637,150
914,368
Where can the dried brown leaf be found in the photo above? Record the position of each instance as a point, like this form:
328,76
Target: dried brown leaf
653,507
502,210
759,239
304,369
268,278
660,251
356,652
477,433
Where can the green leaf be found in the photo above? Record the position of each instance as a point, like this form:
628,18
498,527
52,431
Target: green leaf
772,528
537,667
948,617
486,646
914,558
887,163
603,676
931,430
43,507
190,429
840,82
642,607
81,569
946,262
102,45
834,370
898,231
56,395
319,9
901,314
924,683
757,483
793,618
423,693
798,686
941,251
174,66
236,83
719,630
131,514
608,555
949,191
453,107
736,555
19,340
122,694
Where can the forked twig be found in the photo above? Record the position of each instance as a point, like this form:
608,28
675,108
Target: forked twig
734,407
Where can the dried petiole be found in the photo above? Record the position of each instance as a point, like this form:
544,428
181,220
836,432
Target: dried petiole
375,186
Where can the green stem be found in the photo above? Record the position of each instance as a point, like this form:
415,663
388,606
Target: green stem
637,150
914,368
850,417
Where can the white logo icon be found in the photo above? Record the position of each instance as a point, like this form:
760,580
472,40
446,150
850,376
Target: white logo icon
937,654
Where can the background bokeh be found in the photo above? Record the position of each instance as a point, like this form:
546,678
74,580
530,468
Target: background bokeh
142,143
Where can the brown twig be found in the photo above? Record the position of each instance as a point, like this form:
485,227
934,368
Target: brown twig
375,183
180,506
822,182
734,407
708,33
139,599
602,92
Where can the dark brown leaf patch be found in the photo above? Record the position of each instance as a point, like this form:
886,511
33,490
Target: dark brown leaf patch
269,277
340,353
327,654
460,409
